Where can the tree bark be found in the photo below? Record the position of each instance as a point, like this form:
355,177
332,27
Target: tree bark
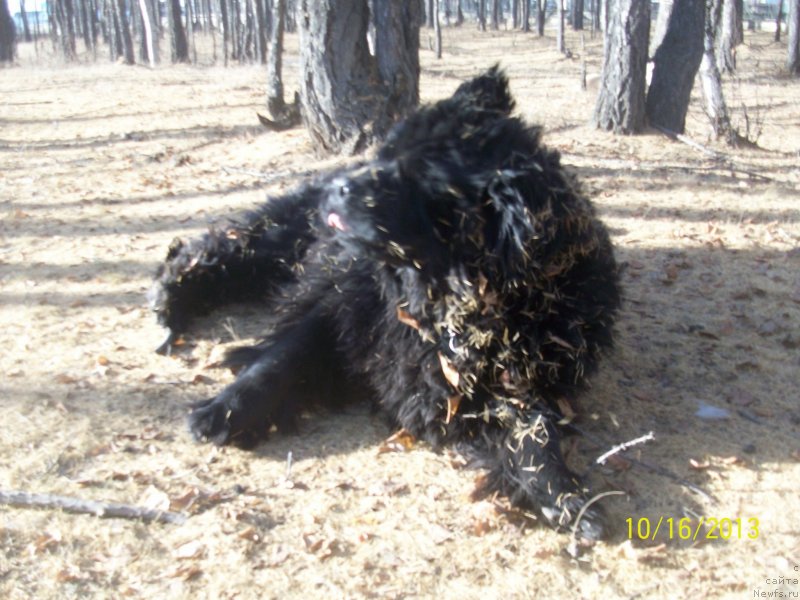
345,106
26,30
726,35
662,20
621,102
793,37
710,79
541,8
526,16
778,20
149,38
495,22
125,29
675,66
482,15
180,47
437,29
577,15
276,105
8,34
560,32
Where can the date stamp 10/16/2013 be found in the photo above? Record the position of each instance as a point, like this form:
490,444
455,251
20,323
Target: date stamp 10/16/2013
702,528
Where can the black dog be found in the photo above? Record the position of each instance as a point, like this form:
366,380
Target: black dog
460,278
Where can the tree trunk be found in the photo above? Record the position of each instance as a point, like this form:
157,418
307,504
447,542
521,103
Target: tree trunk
190,28
482,15
675,66
149,38
577,15
662,20
710,79
621,101
778,20
726,35
276,105
495,22
125,29
264,27
180,48
526,16
793,36
459,14
397,27
437,29
560,35
429,13
66,28
26,30
344,106
8,34
541,8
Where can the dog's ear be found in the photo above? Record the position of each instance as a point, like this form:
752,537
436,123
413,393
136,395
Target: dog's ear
509,223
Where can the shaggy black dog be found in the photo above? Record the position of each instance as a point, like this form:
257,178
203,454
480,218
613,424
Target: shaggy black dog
460,279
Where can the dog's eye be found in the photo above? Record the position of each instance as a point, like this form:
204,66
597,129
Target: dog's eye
344,190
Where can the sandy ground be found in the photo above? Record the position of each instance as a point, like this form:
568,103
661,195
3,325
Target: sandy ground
102,165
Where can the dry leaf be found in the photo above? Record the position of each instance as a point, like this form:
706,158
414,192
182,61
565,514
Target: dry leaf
566,411
453,403
400,441
406,319
698,465
249,534
450,372
189,550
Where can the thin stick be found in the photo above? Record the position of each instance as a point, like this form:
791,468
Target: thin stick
689,142
89,507
624,446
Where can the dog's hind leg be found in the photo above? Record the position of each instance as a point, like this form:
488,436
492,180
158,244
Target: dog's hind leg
243,260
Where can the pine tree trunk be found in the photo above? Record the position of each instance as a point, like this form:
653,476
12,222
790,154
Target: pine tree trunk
778,20
180,48
710,79
26,30
577,15
8,35
726,35
675,66
276,105
149,37
526,16
541,8
621,102
397,26
793,37
125,29
662,20
560,35
344,106
437,29
66,28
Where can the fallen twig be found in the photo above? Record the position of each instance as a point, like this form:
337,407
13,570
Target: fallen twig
624,446
267,177
673,135
89,507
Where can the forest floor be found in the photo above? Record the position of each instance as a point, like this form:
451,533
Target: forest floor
101,166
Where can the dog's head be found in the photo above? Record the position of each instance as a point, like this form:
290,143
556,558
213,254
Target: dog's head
452,182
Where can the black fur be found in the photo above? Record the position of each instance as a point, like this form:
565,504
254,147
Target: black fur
460,278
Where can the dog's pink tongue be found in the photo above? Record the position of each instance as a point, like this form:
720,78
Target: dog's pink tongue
336,222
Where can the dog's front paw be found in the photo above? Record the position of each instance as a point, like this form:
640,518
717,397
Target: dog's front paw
209,421
572,513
